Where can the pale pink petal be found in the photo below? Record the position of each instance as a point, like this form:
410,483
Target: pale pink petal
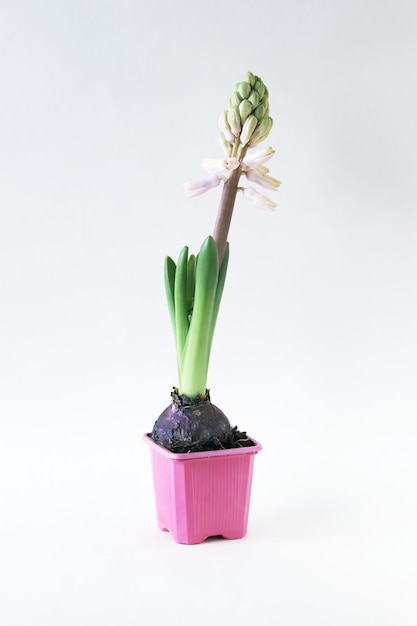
198,187
259,157
221,166
261,201
260,176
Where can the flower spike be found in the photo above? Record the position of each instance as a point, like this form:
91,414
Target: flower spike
243,125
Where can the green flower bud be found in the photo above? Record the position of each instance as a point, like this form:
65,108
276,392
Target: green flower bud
254,99
245,109
250,78
233,119
261,110
244,90
248,128
235,100
260,88
261,132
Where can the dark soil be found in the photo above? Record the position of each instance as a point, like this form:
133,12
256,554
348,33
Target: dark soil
236,439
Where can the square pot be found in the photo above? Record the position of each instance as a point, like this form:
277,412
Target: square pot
202,494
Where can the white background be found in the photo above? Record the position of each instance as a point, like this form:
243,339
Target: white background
106,108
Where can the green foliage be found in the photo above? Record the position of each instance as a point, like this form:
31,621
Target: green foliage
194,288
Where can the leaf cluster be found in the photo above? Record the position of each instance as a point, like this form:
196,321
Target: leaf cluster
194,287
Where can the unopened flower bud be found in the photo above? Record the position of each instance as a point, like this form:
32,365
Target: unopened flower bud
233,119
260,88
235,99
226,145
248,129
254,99
250,78
225,128
245,109
244,90
261,110
261,132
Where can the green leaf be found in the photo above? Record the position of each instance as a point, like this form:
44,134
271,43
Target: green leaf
196,355
190,284
169,278
181,303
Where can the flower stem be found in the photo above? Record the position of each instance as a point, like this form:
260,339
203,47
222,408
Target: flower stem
227,202
225,212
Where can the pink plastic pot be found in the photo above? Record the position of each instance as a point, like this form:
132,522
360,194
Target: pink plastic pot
202,494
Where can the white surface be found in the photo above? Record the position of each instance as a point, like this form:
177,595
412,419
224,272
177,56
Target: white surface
106,108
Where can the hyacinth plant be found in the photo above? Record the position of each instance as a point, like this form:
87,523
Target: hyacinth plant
194,285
